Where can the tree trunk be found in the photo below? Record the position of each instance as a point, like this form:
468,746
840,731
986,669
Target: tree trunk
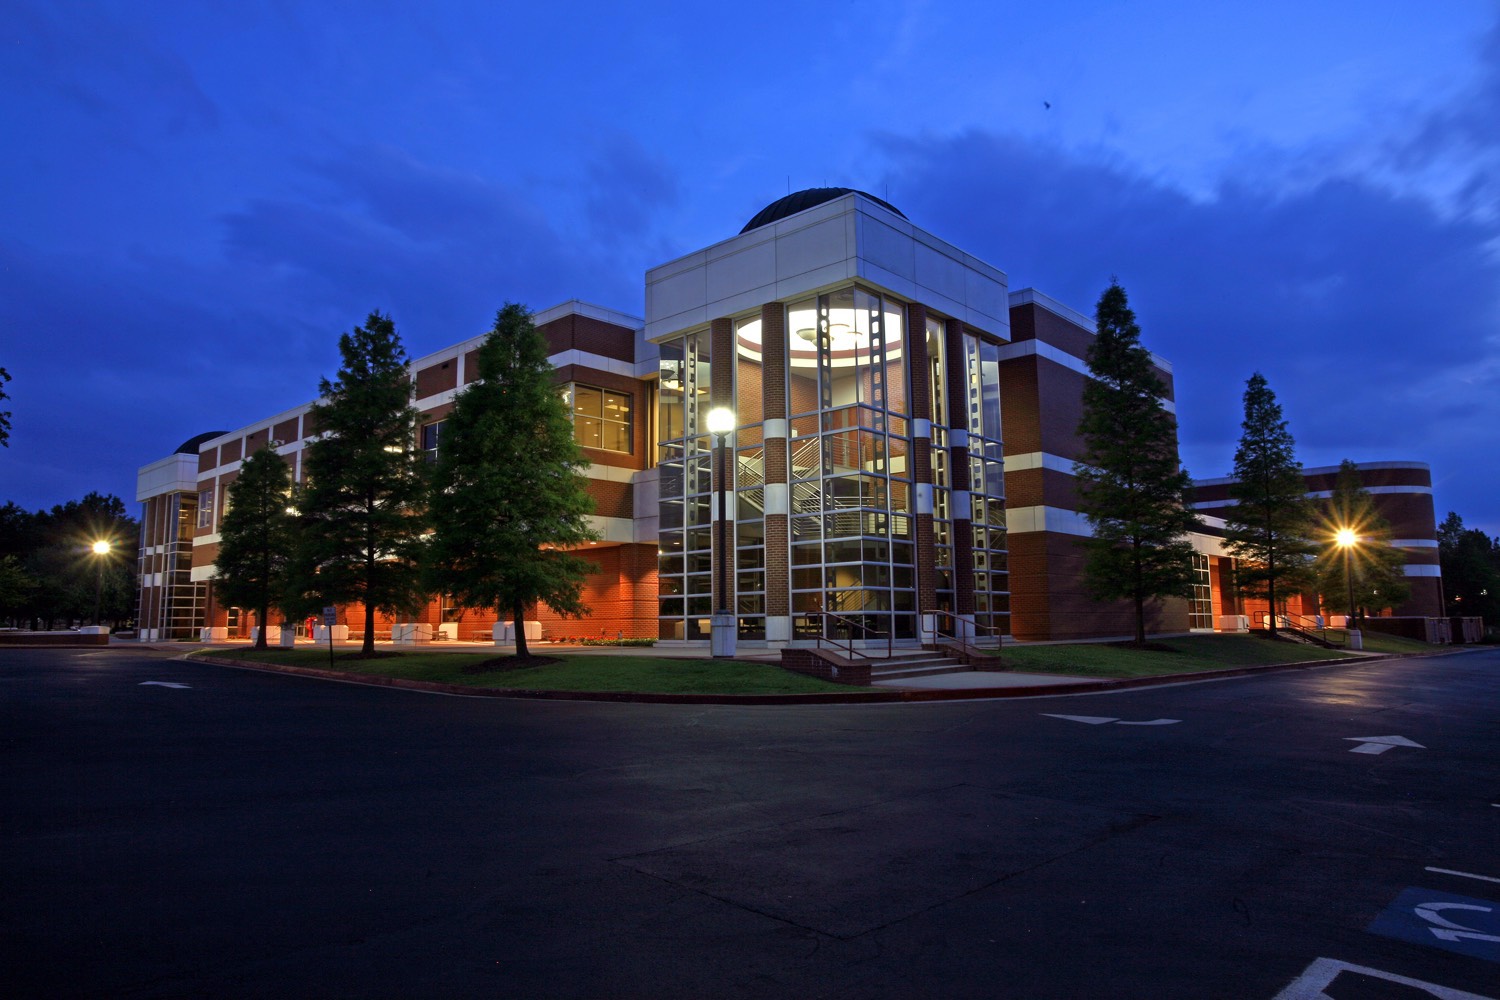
260,619
518,616
368,647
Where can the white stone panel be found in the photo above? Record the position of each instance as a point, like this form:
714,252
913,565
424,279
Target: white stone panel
987,298
886,248
939,272
809,249
681,293
173,474
732,274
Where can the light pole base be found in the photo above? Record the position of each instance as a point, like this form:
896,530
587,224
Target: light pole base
722,635
1356,641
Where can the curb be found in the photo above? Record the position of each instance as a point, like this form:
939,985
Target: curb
885,696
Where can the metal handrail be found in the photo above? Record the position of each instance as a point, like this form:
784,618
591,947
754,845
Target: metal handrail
849,646
969,649
1309,627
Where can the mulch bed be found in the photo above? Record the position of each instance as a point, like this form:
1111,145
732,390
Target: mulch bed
501,664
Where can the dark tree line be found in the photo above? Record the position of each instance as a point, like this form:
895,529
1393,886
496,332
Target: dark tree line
1470,561
50,577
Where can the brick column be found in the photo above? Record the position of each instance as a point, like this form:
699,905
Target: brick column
921,463
721,393
778,528
958,468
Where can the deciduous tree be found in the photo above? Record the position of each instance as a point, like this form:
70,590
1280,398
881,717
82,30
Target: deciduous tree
508,499
255,537
1376,570
1269,527
1132,488
360,535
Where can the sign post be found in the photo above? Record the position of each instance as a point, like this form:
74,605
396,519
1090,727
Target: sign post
330,619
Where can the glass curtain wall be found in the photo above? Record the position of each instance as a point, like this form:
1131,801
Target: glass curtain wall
942,480
852,558
987,485
685,560
749,482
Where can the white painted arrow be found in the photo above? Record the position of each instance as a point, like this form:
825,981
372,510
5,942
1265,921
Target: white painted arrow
165,684
1099,720
1380,744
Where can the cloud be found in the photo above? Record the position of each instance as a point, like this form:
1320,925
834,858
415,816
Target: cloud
1372,312
438,248
628,188
110,69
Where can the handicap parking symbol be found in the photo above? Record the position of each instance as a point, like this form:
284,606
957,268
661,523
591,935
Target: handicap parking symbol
1442,920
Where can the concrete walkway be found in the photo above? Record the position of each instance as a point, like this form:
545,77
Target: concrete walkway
994,679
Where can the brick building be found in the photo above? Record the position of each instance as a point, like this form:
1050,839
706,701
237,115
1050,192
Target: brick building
905,432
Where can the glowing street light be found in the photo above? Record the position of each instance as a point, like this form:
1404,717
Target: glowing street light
722,630
1346,539
101,553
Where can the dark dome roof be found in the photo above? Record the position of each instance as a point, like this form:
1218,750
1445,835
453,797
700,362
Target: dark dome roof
190,446
800,201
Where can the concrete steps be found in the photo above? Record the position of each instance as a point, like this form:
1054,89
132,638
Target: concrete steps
915,664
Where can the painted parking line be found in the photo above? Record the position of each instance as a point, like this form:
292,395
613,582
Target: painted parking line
165,684
1450,871
1330,979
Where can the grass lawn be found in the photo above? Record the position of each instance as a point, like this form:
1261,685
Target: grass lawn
1377,642
570,673
1185,655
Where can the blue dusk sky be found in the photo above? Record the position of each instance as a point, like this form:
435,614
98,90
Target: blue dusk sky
199,197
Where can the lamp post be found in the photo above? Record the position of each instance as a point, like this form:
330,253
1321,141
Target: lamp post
101,552
722,629
1346,540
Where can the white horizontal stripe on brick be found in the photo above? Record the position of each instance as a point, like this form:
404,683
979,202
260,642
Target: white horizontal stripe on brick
1021,520
1038,460
1325,494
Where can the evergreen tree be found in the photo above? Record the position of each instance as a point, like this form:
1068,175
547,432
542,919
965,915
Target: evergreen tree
4,414
360,535
507,496
1131,487
1376,570
1268,528
255,537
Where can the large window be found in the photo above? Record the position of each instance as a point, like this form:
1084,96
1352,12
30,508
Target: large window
206,508
852,553
989,546
1201,608
601,417
432,435
685,482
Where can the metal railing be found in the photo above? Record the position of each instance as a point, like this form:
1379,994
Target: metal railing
856,630
1311,628
962,632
